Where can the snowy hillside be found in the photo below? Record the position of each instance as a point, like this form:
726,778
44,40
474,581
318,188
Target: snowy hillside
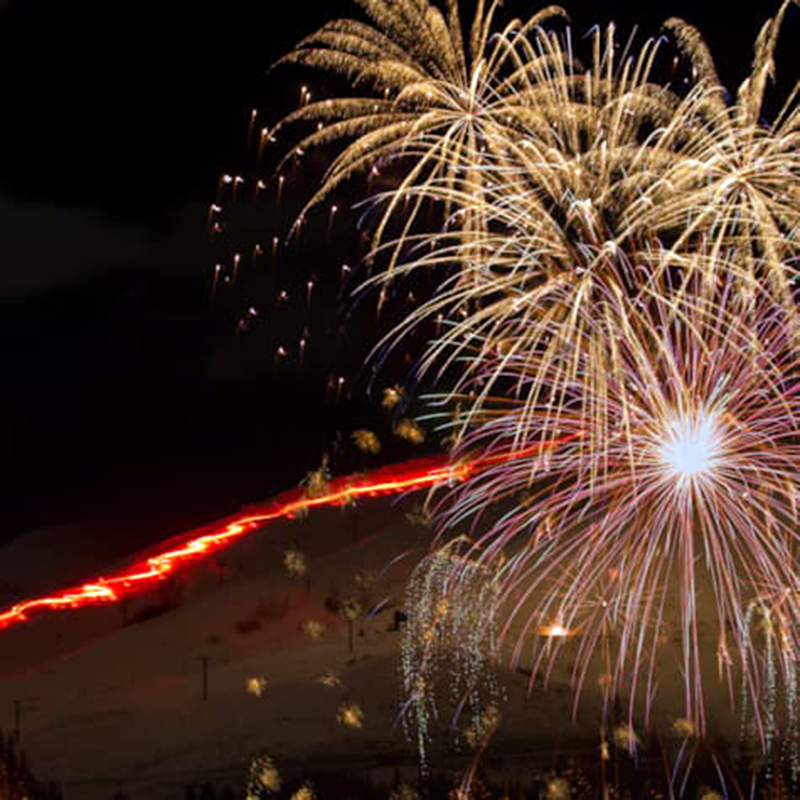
110,703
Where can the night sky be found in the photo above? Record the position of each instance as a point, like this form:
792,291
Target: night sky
132,404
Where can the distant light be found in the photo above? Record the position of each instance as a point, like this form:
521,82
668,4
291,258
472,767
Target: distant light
556,631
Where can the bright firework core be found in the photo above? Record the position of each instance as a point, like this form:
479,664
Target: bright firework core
690,446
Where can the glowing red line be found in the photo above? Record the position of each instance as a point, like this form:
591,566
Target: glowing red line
188,547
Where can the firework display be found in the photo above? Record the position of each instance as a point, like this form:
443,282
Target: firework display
608,260
436,99
689,490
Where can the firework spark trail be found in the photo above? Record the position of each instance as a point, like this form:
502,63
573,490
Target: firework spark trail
415,475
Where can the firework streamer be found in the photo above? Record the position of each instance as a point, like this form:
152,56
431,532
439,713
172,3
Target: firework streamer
449,646
769,710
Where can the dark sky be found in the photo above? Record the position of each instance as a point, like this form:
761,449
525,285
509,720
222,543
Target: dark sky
130,403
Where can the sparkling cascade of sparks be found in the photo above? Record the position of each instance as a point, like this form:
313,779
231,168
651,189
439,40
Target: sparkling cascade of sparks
769,639
449,643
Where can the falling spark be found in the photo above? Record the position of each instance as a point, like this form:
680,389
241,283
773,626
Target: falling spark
350,715
330,680
295,562
251,124
215,281
264,778
366,441
410,431
256,686
305,792
392,396
313,629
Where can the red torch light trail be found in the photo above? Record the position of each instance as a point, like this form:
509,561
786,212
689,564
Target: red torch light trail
414,475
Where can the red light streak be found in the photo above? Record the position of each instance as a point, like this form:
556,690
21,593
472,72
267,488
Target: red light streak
414,475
